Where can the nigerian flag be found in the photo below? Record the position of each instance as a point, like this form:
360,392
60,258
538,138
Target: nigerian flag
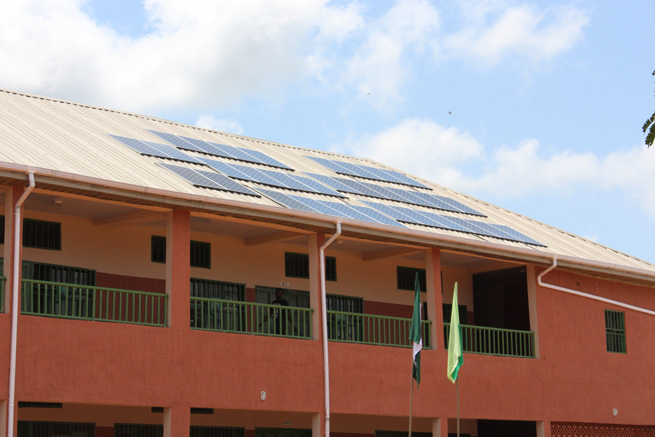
455,357
415,333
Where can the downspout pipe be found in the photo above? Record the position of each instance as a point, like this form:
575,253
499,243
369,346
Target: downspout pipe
326,360
15,295
587,295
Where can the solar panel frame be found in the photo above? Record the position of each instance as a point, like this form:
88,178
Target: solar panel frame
227,183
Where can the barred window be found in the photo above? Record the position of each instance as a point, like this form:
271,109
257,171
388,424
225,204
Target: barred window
406,276
200,254
330,268
216,431
40,234
158,249
138,430
615,331
47,429
296,265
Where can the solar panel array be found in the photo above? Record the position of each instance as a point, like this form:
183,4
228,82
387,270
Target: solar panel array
337,209
451,223
368,172
222,150
208,179
270,177
155,149
397,194
375,212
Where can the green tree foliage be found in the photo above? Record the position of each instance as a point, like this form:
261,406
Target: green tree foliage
650,127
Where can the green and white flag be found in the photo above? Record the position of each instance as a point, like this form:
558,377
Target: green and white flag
455,357
415,333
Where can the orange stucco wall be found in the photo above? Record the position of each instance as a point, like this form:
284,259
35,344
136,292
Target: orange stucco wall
80,362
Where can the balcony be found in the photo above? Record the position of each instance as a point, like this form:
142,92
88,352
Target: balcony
495,341
84,302
223,315
373,329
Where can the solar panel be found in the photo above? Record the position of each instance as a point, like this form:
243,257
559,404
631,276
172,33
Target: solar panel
175,140
285,200
376,215
366,171
315,186
155,149
208,179
223,150
331,182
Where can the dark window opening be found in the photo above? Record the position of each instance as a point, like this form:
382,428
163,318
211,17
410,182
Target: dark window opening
58,429
296,265
200,254
615,331
40,234
158,249
406,278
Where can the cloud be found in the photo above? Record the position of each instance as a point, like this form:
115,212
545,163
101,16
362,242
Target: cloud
496,31
456,160
195,54
220,124
206,56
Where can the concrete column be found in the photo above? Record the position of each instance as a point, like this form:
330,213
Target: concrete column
317,425
315,243
532,306
434,297
543,428
177,421
440,427
178,268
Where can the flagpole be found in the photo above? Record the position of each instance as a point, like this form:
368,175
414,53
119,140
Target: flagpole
411,396
457,384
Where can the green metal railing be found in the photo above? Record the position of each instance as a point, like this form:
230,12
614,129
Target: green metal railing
3,280
373,329
250,318
84,302
495,341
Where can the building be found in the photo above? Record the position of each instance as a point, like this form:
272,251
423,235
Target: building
150,256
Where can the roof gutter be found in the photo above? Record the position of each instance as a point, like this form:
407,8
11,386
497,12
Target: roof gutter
326,360
421,237
15,282
587,295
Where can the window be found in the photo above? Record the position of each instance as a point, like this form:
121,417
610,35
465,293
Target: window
41,235
330,268
615,331
215,431
47,429
200,254
296,265
2,229
158,249
137,430
345,327
406,277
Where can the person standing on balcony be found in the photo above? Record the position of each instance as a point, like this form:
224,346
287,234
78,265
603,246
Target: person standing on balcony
281,315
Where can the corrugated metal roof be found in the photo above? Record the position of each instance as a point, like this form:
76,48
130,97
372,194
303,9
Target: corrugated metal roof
73,138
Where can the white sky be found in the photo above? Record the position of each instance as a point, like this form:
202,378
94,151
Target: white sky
535,106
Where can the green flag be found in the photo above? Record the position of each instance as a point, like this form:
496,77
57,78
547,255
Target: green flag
415,333
455,357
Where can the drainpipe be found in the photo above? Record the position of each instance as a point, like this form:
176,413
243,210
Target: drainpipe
326,361
587,295
14,303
